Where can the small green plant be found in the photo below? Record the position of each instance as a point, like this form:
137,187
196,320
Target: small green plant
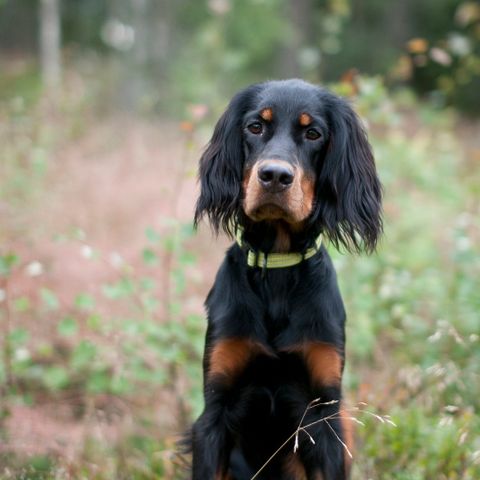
158,346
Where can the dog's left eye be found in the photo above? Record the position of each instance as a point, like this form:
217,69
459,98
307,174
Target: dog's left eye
312,134
256,128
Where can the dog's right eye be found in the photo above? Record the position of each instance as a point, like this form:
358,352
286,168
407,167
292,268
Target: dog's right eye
256,128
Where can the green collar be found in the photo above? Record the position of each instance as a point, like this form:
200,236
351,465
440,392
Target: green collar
276,260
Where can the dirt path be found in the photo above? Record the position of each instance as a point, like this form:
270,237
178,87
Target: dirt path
122,176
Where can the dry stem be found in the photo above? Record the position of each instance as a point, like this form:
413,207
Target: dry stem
334,416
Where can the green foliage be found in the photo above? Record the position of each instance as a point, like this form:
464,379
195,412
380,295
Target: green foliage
440,445
21,88
27,139
49,299
413,307
223,46
151,346
67,327
7,262
447,63
148,354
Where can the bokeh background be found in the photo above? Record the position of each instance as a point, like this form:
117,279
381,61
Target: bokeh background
105,106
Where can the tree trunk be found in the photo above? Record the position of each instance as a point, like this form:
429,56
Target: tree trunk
50,42
299,13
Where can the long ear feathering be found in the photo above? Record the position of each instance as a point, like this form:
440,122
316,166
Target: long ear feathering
349,191
221,167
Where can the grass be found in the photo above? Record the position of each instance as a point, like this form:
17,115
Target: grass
119,358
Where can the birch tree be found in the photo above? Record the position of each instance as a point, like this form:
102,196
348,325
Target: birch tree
50,42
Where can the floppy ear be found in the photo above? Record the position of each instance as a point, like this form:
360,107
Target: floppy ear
221,168
349,191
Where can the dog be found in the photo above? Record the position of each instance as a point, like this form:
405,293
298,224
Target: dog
288,167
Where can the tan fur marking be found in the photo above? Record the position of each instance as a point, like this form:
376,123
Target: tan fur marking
282,240
294,467
323,362
294,204
230,356
307,186
267,114
252,190
246,180
305,120
223,476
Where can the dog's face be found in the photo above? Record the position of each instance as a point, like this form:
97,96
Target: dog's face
292,152
283,135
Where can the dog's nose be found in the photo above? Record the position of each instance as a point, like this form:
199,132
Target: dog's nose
275,176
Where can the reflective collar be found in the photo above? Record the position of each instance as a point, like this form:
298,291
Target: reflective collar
275,260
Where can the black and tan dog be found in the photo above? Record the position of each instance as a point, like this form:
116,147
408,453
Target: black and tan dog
287,164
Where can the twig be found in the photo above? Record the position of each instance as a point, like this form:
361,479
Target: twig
333,416
313,403
273,455
339,439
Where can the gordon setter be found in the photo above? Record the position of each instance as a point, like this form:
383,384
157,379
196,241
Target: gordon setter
288,164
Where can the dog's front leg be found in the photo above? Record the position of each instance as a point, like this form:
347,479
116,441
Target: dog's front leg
211,441
325,451
225,361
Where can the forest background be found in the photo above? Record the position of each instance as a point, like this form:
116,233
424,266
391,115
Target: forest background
105,106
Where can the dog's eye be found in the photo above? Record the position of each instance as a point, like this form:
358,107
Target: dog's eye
312,134
256,128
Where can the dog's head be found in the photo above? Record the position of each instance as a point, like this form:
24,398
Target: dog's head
290,152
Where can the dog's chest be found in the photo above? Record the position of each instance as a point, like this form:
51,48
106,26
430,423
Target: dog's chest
279,295
297,306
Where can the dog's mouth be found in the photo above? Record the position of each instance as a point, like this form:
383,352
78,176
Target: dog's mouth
270,211
291,205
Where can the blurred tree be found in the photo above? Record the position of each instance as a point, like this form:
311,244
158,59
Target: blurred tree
18,26
443,60
198,51
446,64
82,23
50,42
300,14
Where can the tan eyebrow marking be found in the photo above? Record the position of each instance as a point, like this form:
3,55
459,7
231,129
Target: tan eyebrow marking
267,114
305,120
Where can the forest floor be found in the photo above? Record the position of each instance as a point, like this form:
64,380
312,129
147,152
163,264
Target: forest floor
119,178
81,225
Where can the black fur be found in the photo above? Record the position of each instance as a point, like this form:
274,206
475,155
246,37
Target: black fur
250,413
